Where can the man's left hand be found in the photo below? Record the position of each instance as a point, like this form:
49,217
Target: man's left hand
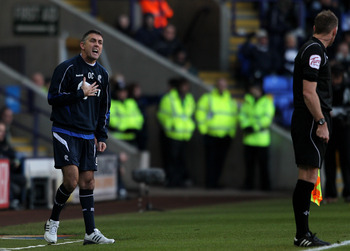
101,147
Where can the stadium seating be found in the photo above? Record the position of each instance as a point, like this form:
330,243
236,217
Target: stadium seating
287,117
283,100
276,84
281,87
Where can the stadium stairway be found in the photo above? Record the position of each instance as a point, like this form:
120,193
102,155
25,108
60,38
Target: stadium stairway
23,146
83,5
244,20
210,78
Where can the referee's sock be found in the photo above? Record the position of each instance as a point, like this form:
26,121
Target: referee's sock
301,206
87,204
61,198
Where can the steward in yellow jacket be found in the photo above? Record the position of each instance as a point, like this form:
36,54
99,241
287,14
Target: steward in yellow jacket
175,114
256,115
125,117
217,117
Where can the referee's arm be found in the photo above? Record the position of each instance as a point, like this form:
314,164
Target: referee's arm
312,102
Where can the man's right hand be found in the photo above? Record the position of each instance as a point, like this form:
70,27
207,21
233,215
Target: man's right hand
89,90
322,132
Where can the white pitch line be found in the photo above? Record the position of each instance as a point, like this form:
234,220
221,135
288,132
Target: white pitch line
335,245
40,246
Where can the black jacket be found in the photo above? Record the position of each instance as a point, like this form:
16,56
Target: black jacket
71,112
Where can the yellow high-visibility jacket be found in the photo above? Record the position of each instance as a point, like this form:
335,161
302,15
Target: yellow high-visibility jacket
175,115
257,114
217,115
125,119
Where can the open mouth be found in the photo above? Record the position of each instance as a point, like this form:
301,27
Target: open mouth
95,51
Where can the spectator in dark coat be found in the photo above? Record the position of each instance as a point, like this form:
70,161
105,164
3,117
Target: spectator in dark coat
148,35
290,52
6,116
280,19
143,102
262,59
17,179
181,59
123,25
168,45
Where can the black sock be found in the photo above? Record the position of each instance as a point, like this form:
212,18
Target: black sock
87,204
301,206
61,198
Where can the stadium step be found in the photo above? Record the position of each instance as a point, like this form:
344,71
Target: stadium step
245,20
19,141
210,78
73,45
83,5
23,145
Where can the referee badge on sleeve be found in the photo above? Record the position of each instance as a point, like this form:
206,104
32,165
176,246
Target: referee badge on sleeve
315,61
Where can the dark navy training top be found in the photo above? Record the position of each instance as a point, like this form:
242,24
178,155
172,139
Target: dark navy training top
73,114
312,64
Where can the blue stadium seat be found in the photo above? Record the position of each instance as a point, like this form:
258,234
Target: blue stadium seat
283,100
290,83
287,117
276,84
13,94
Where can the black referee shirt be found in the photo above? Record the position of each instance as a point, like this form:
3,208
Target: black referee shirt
312,64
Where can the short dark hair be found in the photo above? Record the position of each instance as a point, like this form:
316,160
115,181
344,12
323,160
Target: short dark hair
83,39
3,109
173,82
325,22
183,81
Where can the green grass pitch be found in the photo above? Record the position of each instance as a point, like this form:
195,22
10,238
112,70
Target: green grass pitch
254,225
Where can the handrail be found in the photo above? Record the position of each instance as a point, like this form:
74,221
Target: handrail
37,110
31,107
203,11
23,101
22,79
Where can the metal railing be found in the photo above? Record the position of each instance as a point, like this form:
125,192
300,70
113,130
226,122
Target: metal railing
30,101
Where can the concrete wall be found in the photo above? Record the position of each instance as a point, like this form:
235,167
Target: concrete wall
41,52
204,41
284,171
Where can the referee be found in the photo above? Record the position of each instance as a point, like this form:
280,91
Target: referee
311,122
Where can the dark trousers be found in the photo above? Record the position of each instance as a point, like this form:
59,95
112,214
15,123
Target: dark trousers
176,170
339,141
257,155
215,155
18,187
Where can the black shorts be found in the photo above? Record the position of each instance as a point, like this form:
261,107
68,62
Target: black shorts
309,149
70,150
